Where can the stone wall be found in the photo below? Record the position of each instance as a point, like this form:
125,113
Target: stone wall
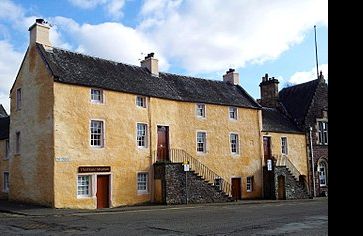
177,185
293,188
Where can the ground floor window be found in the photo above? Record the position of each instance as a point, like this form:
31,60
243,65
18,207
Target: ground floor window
322,173
249,185
142,182
6,182
84,186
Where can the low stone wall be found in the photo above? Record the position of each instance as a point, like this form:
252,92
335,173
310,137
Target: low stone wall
178,185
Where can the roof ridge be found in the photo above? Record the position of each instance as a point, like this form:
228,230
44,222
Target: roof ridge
300,85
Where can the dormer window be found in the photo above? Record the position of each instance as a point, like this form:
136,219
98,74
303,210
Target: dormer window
200,110
96,96
140,101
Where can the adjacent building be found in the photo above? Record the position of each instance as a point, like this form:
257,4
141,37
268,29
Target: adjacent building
4,153
91,133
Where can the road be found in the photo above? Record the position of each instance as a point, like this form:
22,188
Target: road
306,217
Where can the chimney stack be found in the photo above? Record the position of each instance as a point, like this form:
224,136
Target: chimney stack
231,77
151,64
269,88
39,33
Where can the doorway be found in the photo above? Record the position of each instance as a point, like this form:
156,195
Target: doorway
236,189
267,148
102,194
281,192
163,143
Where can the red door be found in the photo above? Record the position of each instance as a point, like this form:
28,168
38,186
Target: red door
267,148
102,191
163,143
236,189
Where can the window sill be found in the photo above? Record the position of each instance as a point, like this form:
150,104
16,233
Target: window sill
142,193
84,197
97,102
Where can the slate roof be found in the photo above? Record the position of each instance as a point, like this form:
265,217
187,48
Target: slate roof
75,68
3,112
4,127
297,99
275,121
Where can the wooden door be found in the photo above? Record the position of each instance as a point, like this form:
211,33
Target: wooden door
236,189
163,143
103,191
281,193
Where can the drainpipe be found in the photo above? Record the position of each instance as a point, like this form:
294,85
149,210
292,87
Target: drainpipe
312,158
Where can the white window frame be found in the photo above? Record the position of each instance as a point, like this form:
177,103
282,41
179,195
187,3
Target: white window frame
233,110
324,165
146,135
142,191
143,102
202,108
19,98
17,142
90,186
204,144
97,101
237,143
284,148
218,183
7,149
249,183
323,134
103,128
6,183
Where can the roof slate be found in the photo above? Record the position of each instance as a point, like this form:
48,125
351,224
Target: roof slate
75,68
274,121
3,112
297,99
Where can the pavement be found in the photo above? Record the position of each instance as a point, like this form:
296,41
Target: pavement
18,208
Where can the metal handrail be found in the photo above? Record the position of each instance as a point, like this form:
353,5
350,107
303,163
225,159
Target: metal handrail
181,156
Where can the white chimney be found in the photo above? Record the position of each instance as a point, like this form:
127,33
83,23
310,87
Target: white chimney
151,64
39,33
231,77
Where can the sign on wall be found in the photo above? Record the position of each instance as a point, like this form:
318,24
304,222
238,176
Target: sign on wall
88,169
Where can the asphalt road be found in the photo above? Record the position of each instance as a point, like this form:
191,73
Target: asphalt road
308,217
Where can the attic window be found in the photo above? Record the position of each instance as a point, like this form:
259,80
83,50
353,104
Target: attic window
200,110
96,96
140,101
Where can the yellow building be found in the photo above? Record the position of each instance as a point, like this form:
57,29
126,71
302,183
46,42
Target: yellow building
285,148
4,153
86,132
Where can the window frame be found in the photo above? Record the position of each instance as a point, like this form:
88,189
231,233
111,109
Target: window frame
102,139
90,186
17,142
143,99
237,143
7,149
203,109
323,130
101,101
142,191
204,143
324,165
235,112
249,184
284,148
218,183
19,99
146,141
6,185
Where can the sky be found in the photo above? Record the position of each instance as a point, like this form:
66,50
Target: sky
201,38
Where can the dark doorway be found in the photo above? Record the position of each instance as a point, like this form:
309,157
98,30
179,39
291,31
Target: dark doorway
236,189
268,170
267,148
163,143
281,193
103,191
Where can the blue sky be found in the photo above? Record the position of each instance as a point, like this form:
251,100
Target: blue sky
199,38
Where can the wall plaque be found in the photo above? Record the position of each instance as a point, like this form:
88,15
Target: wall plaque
88,169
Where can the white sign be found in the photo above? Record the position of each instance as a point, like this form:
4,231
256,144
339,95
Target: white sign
62,159
269,164
186,167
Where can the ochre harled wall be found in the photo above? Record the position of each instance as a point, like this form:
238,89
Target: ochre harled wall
73,112
31,170
4,167
297,153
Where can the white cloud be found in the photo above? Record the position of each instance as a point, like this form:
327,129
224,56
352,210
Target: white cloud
10,61
112,7
207,35
305,76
